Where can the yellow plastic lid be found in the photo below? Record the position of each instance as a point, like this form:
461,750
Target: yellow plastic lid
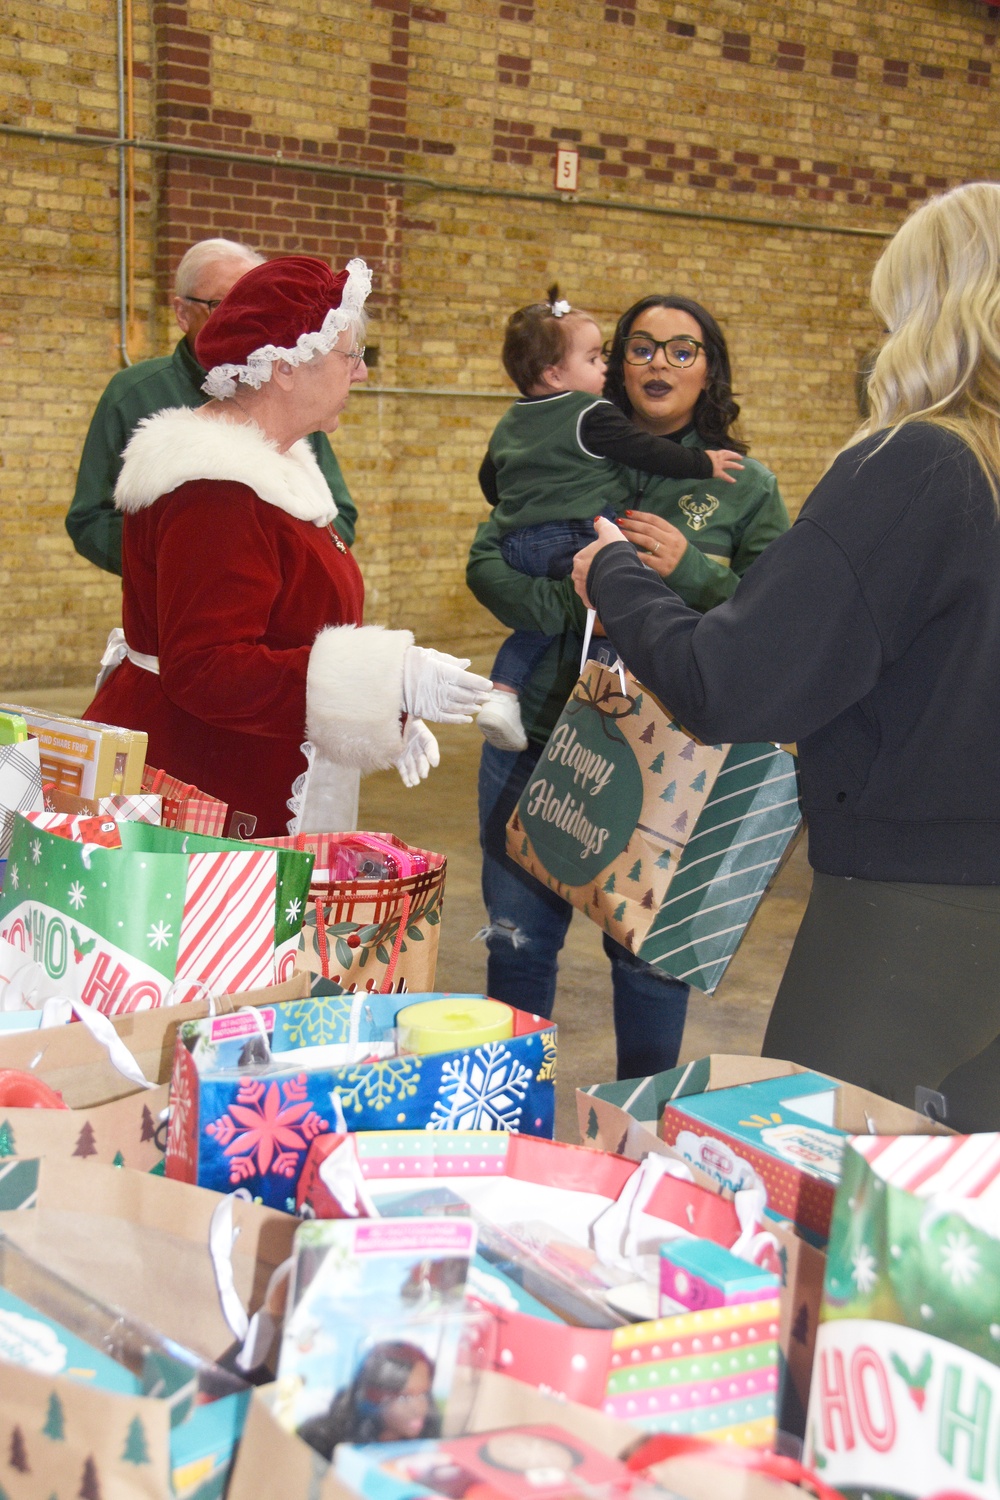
446,1025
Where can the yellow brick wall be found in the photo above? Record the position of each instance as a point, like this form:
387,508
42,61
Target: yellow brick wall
836,117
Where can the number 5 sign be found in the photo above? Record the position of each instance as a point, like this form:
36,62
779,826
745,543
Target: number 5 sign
567,170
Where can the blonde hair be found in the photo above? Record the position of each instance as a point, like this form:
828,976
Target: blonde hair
936,288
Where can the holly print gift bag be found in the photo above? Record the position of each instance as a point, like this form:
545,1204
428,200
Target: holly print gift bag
905,1398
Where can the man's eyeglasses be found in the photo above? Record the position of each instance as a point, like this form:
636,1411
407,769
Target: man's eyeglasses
210,302
640,349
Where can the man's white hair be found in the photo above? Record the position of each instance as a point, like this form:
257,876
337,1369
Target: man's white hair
200,255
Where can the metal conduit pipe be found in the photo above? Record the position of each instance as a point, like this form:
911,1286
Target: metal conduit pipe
122,204
445,188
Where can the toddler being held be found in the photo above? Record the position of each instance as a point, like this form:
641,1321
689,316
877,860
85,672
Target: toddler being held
554,462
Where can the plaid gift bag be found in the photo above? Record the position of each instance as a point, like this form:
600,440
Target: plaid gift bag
370,934
20,787
184,806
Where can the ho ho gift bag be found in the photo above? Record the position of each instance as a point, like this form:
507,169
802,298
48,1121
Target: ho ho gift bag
905,1397
666,843
120,927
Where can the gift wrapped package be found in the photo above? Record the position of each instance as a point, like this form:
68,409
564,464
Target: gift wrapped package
249,1095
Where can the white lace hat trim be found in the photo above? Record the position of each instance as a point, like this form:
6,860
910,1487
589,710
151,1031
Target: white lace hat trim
222,380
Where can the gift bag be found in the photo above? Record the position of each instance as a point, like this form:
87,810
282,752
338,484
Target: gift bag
166,915
666,843
145,1246
71,1059
249,1094
20,787
906,1386
184,806
371,934
128,1132
154,1248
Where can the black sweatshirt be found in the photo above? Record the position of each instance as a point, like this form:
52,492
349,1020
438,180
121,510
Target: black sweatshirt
869,634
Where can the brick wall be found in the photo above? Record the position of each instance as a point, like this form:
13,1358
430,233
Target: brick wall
691,121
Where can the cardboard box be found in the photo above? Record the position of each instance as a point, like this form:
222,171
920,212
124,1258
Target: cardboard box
86,759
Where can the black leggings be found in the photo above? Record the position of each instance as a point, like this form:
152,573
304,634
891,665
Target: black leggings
891,985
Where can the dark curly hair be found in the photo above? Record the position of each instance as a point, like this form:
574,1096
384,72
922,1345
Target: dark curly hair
716,411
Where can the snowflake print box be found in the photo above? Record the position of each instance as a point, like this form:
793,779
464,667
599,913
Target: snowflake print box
236,1122
119,927
666,843
906,1393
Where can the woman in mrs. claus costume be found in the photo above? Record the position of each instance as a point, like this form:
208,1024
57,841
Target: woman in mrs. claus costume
241,606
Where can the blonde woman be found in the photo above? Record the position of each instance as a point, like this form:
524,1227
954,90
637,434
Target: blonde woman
870,634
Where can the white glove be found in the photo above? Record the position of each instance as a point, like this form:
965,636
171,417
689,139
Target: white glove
437,687
420,753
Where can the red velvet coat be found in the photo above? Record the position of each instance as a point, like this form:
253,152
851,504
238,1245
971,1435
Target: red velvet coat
230,591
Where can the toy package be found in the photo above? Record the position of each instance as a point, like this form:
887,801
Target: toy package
375,1322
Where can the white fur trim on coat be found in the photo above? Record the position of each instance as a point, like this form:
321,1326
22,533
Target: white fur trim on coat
354,695
178,445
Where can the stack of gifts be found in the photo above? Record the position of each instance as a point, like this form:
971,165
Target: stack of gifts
244,1142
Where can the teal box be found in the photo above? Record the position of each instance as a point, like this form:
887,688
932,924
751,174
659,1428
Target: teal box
699,1273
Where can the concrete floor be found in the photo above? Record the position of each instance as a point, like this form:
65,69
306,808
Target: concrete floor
441,814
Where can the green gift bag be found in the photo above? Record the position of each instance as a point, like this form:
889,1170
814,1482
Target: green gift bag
164,917
905,1395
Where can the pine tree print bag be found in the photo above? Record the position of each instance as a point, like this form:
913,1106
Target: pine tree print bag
666,843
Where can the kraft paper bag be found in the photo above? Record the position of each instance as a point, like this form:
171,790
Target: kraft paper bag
142,1243
666,843
74,1062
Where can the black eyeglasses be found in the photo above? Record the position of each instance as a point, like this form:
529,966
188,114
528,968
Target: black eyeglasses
210,302
640,349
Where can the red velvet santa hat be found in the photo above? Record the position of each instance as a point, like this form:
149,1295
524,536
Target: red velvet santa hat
290,308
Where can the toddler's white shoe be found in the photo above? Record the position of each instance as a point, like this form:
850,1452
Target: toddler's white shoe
499,720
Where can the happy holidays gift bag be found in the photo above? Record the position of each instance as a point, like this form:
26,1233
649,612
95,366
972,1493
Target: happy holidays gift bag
666,843
906,1386
165,914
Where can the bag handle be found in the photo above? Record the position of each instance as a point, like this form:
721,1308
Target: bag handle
658,1449
587,634
323,945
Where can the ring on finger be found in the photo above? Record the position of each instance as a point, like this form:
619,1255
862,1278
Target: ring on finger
656,549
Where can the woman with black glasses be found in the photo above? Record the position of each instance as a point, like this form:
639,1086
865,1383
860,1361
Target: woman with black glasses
668,370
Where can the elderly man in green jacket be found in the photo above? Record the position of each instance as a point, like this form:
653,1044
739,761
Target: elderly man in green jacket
205,274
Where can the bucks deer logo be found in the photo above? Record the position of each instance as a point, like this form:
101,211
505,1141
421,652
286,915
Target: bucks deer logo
698,511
